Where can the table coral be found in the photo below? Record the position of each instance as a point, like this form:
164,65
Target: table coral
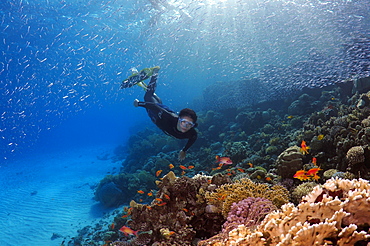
224,196
337,213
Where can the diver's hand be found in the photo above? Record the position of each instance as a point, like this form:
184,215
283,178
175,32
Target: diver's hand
182,155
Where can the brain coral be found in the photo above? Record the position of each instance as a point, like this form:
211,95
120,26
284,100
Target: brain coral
355,155
289,161
302,190
338,213
227,194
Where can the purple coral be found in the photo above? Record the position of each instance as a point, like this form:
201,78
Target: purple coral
249,212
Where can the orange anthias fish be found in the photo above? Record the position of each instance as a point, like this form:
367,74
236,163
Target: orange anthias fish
140,192
190,167
171,166
311,174
301,175
183,167
304,148
128,231
157,173
314,161
313,171
224,160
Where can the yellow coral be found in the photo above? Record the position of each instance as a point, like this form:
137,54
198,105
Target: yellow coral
224,196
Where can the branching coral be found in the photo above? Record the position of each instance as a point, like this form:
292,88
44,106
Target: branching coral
224,196
335,214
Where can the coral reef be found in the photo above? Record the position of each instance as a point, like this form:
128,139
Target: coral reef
227,194
178,208
335,214
263,142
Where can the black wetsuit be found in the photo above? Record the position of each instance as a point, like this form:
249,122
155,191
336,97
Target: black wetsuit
164,118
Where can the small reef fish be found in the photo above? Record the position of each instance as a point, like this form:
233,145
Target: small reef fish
190,167
157,173
183,173
313,171
300,174
311,174
162,204
140,192
268,178
241,170
167,196
290,117
304,148
320,137
171,166
128,231
250,165
183,167
223,160
314,161
150,194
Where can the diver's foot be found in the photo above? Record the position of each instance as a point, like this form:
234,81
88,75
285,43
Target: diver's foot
142,85
136,103
156,70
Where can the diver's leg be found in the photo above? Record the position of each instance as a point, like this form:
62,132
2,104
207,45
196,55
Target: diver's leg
150,95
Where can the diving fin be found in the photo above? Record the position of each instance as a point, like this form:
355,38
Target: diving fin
136,78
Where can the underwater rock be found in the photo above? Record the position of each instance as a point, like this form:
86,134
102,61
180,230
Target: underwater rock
109,195
361,85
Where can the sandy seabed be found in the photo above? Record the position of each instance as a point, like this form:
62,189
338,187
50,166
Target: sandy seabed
51,193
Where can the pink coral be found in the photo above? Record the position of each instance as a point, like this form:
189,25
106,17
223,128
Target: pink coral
249,212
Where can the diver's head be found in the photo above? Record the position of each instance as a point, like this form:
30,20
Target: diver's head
187,120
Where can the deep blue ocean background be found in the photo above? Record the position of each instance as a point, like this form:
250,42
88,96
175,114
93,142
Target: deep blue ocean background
62,63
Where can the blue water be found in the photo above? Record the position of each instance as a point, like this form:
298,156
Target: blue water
62,62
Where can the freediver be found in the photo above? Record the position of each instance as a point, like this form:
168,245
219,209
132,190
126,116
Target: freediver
180,126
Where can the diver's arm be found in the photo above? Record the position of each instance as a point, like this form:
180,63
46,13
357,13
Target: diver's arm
191,141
